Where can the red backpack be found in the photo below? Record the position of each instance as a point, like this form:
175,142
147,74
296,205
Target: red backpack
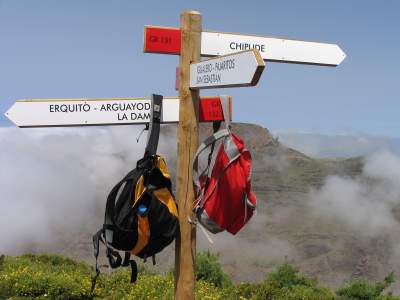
224,199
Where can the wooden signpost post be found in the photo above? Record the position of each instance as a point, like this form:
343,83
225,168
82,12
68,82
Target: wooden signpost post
188,140
243,68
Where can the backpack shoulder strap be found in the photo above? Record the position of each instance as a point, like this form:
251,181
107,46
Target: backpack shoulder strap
109,218
154,125
211,140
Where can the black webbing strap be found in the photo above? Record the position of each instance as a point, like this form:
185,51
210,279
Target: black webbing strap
134,270
96,238
130,262
154,125
125,263
113,256
114,259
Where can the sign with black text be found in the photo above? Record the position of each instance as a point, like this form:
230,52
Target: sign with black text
114,111
233,70
167,40
272,48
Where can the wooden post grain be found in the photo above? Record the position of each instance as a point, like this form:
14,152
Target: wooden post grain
188,139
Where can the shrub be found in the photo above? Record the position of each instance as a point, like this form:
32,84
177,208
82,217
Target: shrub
51,259
287,284
363,290
1,262
247,290
388,297
287,276
209,269
4,288
57,277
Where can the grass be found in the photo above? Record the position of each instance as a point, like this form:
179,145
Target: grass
55,277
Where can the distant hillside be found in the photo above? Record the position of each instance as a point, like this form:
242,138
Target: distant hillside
282,178
284,227
344,145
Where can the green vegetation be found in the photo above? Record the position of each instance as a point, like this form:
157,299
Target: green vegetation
286,283
209,269
56,277
364,290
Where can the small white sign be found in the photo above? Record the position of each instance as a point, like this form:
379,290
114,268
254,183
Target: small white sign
78,112
272,48
232,70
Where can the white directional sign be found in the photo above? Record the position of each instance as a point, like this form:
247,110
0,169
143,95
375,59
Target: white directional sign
114,111
168,40
232,70
272,48
70,112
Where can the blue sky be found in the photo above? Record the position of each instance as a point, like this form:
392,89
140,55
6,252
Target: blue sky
93,48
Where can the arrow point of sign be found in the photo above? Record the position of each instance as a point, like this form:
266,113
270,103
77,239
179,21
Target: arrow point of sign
260,67
7,114
341,55
10,114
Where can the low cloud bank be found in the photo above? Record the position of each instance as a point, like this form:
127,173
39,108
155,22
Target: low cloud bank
319,145
56,180
367,203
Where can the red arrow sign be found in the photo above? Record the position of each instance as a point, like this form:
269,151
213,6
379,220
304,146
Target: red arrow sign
164,40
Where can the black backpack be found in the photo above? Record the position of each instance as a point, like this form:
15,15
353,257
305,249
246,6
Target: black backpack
141,215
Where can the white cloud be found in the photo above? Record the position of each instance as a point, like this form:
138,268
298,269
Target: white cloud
365,203
346,145
58,179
